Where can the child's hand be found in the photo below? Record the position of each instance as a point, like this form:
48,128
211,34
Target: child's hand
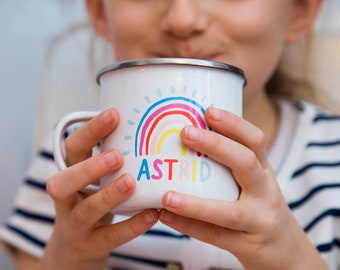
83,235
258,228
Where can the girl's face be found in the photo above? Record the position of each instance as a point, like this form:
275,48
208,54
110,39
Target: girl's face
249,34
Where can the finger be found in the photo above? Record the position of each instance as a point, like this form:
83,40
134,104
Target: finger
231,215
215,235
63,186
80,143
241,160
117,234
240,130
93,208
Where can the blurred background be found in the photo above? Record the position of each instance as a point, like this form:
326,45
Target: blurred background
44,57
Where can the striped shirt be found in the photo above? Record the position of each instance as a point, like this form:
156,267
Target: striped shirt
305,156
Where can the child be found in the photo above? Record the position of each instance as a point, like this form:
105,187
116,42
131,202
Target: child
283,154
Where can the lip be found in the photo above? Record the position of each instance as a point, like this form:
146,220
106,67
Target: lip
211,57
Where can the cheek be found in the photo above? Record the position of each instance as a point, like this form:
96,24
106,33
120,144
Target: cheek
126,29
256,28
129,38
261,21
260,40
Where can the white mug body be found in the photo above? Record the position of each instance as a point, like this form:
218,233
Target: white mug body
156,98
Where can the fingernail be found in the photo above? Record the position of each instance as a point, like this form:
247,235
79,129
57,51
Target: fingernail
149,217
106,117
215,113
174,200
110,159
192,133
123,184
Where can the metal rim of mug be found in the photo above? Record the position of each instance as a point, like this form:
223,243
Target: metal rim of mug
171,61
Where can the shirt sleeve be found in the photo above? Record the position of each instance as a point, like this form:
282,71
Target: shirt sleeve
30,225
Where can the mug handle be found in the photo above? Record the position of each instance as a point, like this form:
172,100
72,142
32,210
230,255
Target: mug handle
59,147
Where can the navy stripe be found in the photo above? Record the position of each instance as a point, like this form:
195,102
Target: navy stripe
321,117
67,133
328,246
313,165
323,144
34,216
315,190
162,233
159,263
27,236
300,106
35,184
46,154
330,212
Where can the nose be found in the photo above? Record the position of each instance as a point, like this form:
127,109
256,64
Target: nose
184,18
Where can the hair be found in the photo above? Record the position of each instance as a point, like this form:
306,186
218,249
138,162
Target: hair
293,76
299,73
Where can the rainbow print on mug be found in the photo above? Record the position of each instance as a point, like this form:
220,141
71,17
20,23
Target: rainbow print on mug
156,98
157,135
